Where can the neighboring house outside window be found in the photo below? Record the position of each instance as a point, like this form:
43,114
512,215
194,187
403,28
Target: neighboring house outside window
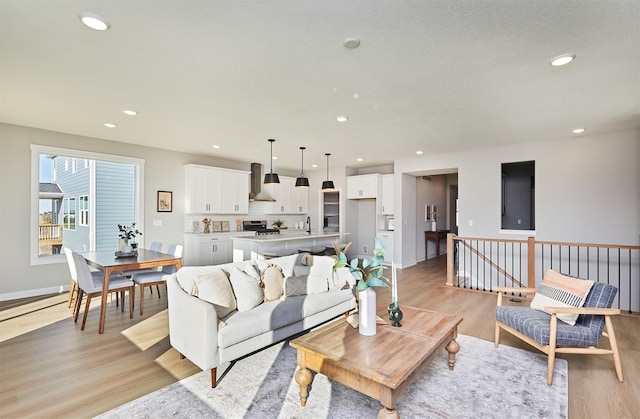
83,210
69,214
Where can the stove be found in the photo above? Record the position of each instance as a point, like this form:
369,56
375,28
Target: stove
259,226
267,231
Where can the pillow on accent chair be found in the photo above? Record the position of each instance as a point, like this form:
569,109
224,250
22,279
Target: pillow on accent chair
272,282
246,289
216,289
557,290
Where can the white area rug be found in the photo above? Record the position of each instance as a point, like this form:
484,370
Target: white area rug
486,383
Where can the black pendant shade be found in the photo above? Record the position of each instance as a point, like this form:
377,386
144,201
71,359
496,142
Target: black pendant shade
327,184
271,177
302,181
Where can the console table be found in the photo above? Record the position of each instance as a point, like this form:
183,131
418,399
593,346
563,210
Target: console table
435,236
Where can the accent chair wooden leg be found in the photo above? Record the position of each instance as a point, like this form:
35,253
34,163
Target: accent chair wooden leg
552,348
213,377
496,339
614,347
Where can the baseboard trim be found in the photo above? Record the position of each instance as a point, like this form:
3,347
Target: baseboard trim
34,293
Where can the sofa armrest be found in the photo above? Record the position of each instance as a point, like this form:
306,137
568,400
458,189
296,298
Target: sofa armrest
193,326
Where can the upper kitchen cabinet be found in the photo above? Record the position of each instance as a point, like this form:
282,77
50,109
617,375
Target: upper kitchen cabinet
387,194
363,186
288,198
212,190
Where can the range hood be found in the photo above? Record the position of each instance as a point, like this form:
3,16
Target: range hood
256,193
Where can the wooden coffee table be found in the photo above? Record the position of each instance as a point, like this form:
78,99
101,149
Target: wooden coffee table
381,366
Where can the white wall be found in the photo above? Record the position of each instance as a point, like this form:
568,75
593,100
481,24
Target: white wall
587,190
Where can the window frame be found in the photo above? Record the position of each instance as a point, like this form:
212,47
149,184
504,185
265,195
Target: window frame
83,210
36,150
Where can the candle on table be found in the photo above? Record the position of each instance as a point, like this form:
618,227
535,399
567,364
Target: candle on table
394,284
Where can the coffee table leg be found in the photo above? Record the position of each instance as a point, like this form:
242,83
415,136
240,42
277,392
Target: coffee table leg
303,378
386,413
453,347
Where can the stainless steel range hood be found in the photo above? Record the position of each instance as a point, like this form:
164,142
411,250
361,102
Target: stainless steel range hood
256,193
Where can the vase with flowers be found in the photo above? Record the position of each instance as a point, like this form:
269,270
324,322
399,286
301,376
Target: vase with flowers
126,233
369,273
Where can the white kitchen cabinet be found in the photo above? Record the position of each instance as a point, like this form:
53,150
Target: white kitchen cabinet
386,238
288,198
363,186
212,190
234,192
387,195
206,249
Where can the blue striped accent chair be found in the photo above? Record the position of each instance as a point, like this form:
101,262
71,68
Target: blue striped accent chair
542,330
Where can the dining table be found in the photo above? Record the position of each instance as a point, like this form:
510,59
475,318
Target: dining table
107,262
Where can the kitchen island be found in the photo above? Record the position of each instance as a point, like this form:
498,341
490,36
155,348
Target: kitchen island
255,247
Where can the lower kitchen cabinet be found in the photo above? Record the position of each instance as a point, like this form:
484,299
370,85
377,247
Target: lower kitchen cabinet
206,249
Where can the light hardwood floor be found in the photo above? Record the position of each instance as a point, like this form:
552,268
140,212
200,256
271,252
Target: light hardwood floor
49,368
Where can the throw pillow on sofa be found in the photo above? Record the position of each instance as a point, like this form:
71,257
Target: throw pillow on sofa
272,282
246,289
295,285
215,288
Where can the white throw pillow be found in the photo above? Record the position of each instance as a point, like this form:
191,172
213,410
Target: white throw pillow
285,262
320,277
246,288
216,289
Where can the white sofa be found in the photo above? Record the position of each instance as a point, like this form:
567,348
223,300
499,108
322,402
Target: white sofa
204,333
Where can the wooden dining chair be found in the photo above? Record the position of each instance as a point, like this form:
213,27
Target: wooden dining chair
148,279
91,285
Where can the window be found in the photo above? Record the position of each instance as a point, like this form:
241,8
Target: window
83,210
78,198
69,214
518,196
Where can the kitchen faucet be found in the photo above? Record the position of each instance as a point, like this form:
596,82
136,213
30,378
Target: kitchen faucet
309,225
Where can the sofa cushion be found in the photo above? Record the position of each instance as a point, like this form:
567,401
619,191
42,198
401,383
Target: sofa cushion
262,319
272,282
316,303
246,289
215,288
557,290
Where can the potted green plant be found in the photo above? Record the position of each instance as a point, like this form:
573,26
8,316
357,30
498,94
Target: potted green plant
369,274
278,224
125,234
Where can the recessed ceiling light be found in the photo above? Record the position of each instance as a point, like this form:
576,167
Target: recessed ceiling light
351,43
579,130
359,159
419,152
314,165
216,146
130,112
562,59
274,158
94,21
110,125
342,118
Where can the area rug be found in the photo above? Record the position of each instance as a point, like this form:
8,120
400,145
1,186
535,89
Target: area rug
487,382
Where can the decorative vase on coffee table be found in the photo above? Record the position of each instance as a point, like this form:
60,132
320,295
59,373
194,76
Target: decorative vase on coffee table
367,312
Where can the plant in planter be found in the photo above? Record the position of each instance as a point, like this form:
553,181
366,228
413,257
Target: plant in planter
278,224
125,234
369,274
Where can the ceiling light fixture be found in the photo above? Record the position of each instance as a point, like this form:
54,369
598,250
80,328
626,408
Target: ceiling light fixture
359,159
579,130
419,152
327,185
129,112
110,125
563,59
302,181
216,146
342,118
271,177
94,21
351,43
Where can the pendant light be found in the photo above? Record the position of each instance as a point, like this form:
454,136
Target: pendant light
271,177
327,184
302,181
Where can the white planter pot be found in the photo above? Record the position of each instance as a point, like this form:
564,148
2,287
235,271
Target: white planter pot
367,312
124,246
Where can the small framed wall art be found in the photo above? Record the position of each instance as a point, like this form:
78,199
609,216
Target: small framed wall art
165,201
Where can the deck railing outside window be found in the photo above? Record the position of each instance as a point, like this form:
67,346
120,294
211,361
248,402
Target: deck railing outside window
483,263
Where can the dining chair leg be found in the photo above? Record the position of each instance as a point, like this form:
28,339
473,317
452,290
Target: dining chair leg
122,298
132,297
86,311
78,304
158,289
72,290
142,298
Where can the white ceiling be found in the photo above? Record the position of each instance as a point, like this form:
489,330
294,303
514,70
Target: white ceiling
429,75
